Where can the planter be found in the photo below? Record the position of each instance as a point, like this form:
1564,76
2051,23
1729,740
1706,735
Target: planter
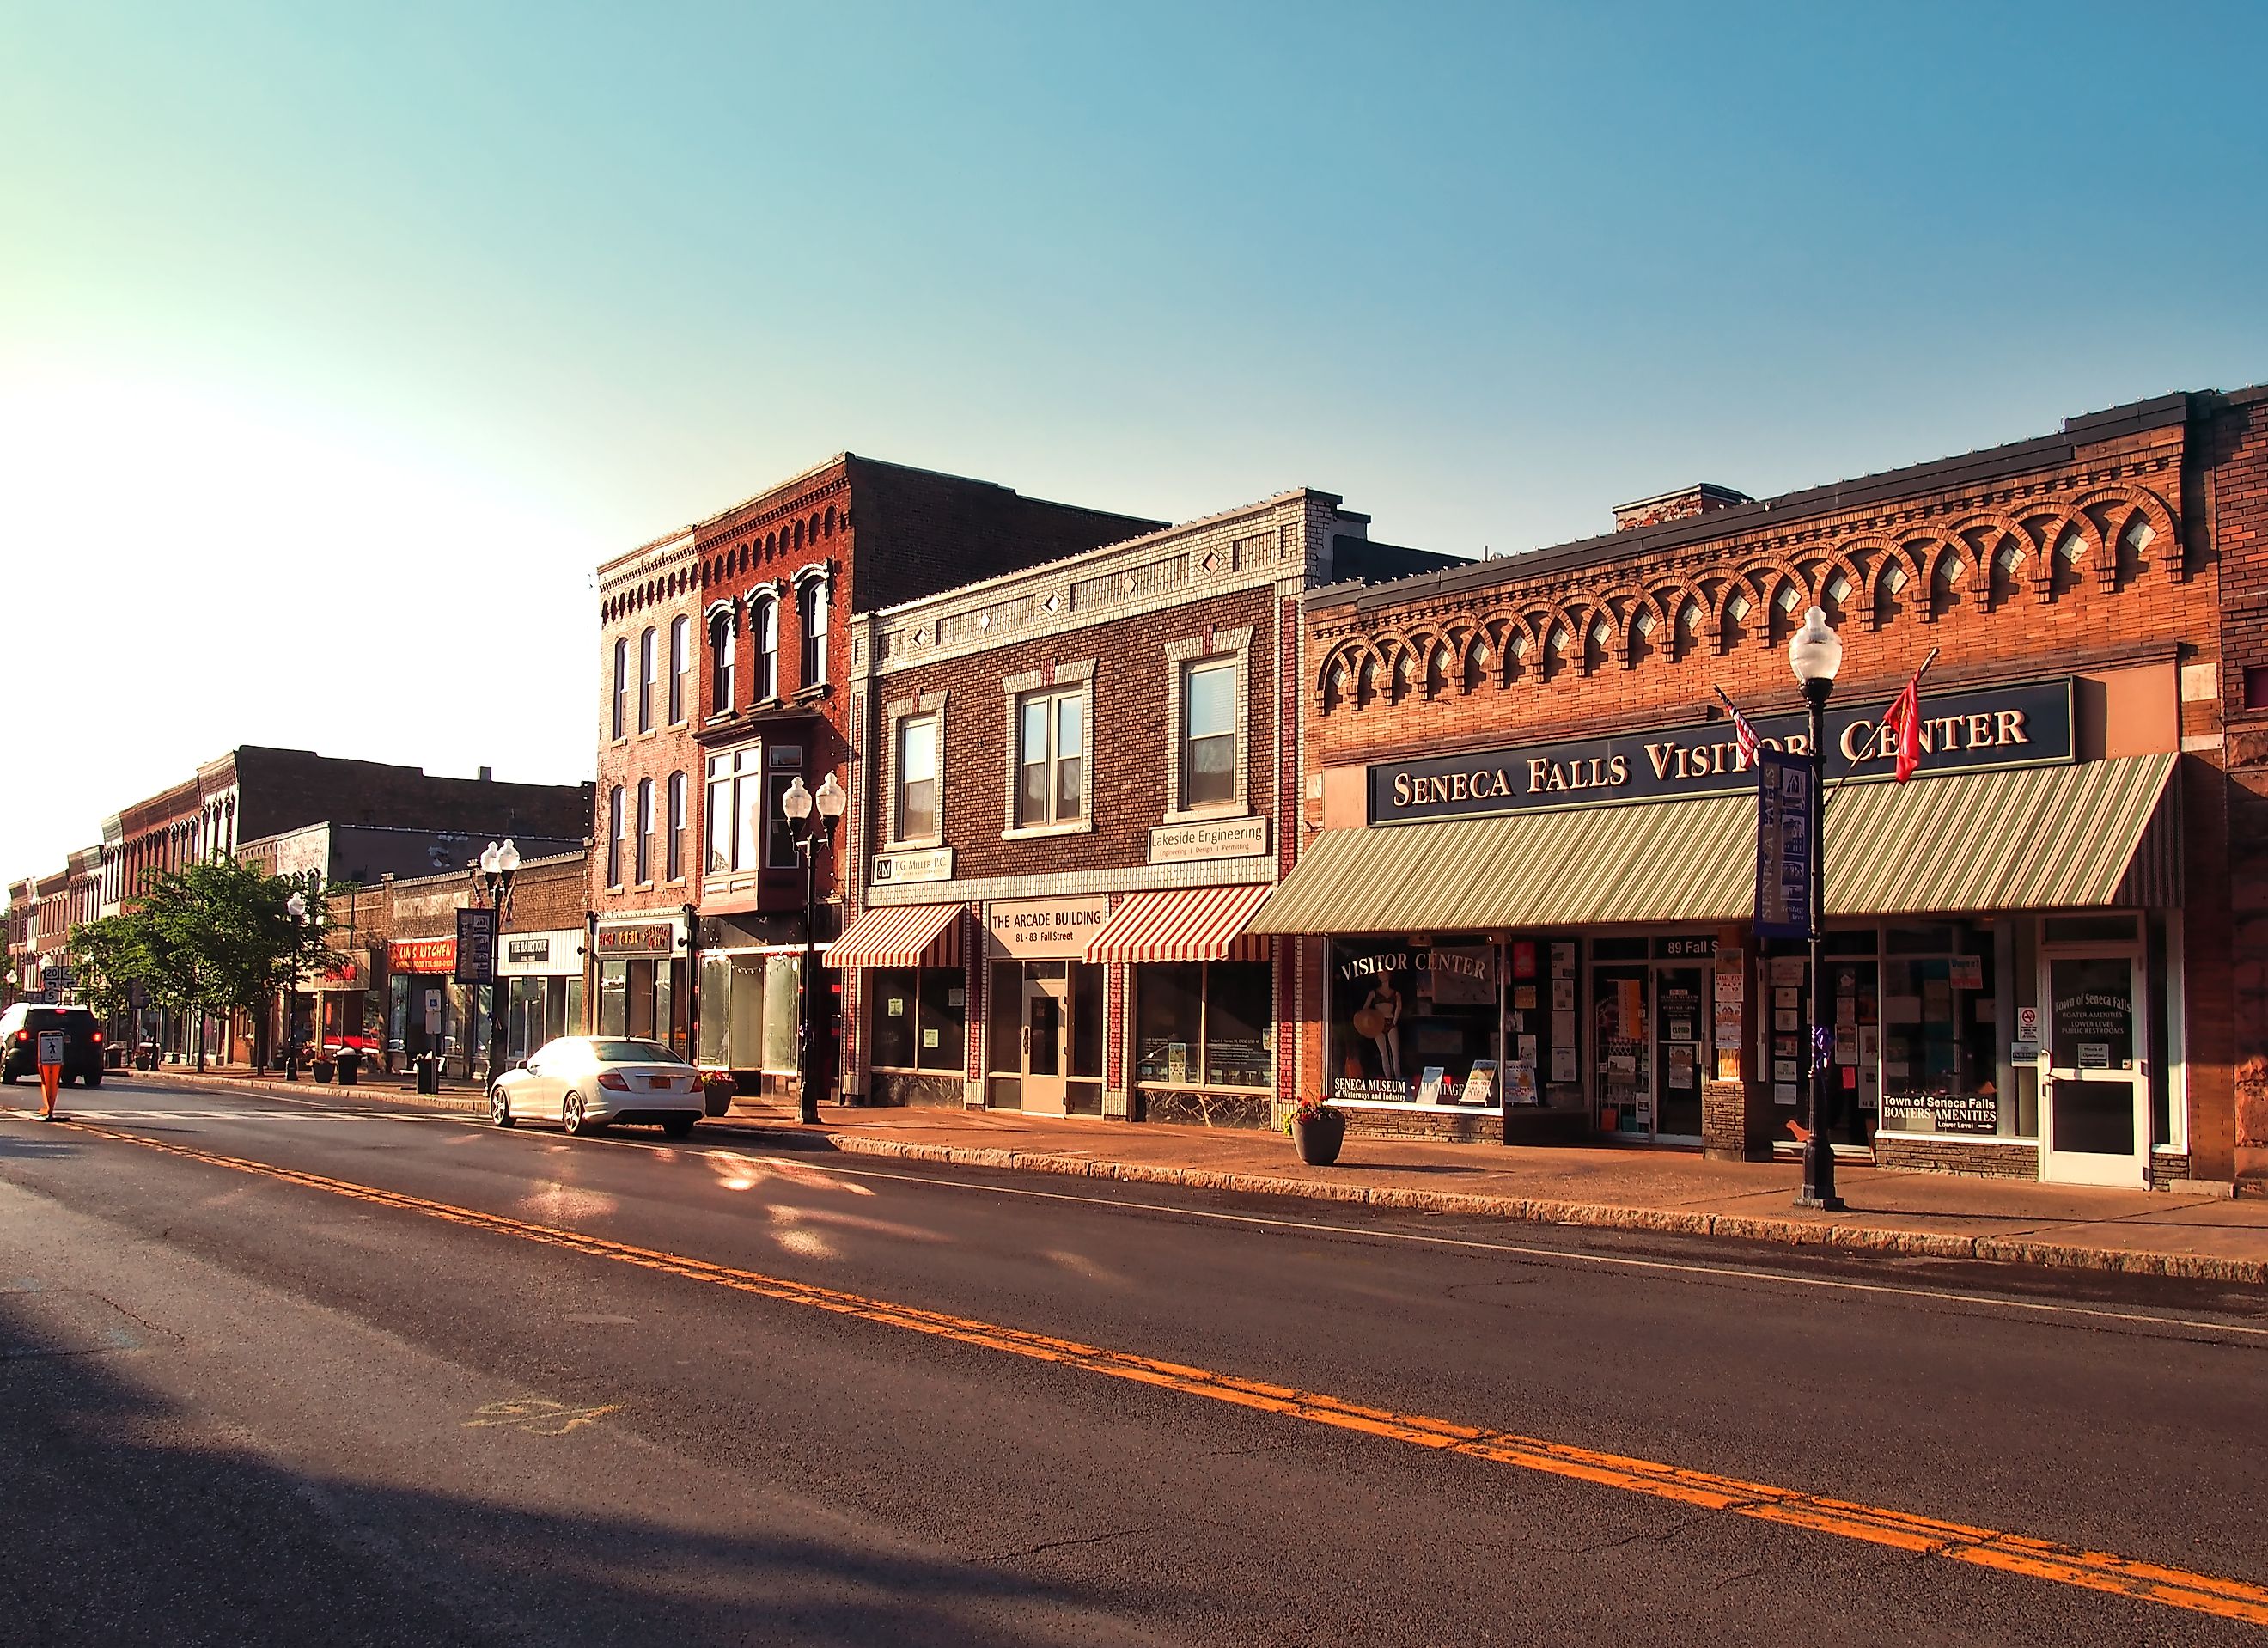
1319,1137
717,1092
324,1070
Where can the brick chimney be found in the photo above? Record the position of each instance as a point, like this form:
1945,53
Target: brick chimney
1697,499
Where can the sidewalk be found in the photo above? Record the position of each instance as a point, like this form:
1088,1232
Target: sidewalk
1892,1212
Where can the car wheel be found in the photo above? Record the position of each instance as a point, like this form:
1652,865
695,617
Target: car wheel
94,1079
499,1107
678,1126
67,1080
572,1117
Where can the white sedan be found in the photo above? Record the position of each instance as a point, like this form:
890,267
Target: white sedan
587,1082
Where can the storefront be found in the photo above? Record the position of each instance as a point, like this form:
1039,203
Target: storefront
345,1012
540,976
910,964
750,992
640,979
1202,1013
1565,929
428,1012
1043,1039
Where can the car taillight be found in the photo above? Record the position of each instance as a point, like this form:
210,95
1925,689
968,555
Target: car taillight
23,1035
98,1038
613,1080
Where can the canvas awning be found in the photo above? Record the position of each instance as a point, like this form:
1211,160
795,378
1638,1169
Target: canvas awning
898,935
1186,924
2095,834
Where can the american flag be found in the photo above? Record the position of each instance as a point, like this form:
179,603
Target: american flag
1742,730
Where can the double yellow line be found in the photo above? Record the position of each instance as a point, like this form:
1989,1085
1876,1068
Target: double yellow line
1873,1525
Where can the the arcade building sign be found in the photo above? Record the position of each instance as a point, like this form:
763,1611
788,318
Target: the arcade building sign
2027,725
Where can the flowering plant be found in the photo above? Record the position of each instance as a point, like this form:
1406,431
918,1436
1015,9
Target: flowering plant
1309,1107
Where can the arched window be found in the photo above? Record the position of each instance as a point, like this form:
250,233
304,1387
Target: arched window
680,667
649,668
622,721
646,843
763,631
721,643
811,618
676,847
615,836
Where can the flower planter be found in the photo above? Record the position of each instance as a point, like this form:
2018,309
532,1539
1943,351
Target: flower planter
718,1090
1319,1137
324,1070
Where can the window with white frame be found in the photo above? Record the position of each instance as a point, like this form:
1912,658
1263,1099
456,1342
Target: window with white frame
721,643
810,617
645,830
736,809
763,636
620,724
681,666
677,825
615,836
781,852
1209,733
1051,757
918,801
649,668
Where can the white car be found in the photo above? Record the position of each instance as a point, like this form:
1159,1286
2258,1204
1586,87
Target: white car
585,1082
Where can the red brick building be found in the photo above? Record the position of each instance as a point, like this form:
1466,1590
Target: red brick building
1064,800
723,654
1530,856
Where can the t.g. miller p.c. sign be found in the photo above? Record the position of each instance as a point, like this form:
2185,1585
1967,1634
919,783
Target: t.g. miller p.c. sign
2024,726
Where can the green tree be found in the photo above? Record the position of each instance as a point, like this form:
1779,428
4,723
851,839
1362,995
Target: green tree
107,957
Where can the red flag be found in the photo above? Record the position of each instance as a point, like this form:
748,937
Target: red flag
1904,723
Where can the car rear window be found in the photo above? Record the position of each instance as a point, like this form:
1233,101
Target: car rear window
59,1018
611,1052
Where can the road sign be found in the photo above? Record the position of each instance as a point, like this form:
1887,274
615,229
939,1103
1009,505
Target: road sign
57,978
51,1047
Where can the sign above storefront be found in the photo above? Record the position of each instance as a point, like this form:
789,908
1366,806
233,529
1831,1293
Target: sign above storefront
1038,930
423,955
929,864
1216,838
647,938
2029,725
533,954
476,934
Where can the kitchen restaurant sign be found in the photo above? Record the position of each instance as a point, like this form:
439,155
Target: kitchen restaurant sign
2024,726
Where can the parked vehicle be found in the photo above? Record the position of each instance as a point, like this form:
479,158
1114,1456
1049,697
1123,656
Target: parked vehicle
587,1083
19,1042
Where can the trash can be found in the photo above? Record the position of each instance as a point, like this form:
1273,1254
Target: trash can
349,1065
429,1073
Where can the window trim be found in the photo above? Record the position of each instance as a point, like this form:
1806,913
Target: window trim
895,715
1063,680
728,817
815,585
1224,646
615,807
649,670
763,645
621,719
643,853
724,621
674,848
681,666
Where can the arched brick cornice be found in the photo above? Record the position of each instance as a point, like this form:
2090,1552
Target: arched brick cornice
2126,502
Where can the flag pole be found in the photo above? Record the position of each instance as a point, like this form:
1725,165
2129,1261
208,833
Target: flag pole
1851,771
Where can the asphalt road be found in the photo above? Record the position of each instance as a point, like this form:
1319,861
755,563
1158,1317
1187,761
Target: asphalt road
356,1388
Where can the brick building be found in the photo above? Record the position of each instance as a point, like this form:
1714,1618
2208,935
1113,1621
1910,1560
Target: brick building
1064,800
1529,856
722,652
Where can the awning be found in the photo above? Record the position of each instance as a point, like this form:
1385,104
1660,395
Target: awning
1188,925
2095,834
898,935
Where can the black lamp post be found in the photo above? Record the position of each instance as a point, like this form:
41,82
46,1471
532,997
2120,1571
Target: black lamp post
817,815
499,866
1814,652
296,906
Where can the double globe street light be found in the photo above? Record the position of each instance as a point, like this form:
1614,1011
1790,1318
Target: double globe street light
812,832
295,908
499,866
1814,652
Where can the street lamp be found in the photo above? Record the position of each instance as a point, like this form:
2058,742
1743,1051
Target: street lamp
296,907
499,866
799,804
1814,652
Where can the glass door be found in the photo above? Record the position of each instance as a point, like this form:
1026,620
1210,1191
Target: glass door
2096,1130
1622,1050
1681,1010
1046,995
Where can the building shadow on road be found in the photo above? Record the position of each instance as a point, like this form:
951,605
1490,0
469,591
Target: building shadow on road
126,1520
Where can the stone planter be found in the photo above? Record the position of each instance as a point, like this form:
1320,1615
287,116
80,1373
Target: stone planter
1319,1136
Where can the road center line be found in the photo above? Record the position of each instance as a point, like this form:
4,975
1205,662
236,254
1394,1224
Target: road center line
1979,1547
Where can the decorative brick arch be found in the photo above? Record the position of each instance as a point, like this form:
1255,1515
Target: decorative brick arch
2123,503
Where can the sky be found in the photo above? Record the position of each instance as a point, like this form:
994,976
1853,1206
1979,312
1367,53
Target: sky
338,345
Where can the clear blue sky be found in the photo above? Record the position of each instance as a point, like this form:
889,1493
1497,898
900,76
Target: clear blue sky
332,339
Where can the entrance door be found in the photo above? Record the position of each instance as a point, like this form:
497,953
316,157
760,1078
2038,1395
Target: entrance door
1047,1025
2096,1122
1681,1010
1622,1050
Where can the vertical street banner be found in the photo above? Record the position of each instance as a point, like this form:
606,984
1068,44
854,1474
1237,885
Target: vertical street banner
476,945
1786,836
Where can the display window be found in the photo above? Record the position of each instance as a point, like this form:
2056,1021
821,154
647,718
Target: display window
917,1018
1205,1023
1416,1023
1941,1069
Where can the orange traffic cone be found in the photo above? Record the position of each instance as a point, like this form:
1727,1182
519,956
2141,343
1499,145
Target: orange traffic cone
50,1078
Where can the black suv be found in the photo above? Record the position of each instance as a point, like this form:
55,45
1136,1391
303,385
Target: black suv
20,1041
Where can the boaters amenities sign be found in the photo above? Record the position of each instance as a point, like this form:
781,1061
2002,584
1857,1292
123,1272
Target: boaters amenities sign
1785,840
2027,725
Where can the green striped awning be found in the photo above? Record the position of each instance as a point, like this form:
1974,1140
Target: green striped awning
2091,835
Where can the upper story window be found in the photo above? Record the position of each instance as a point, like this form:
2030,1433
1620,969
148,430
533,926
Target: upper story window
649,671
676,837
615,836
1208,734
780,851
917,779
736,808
680,667
645,841
810,617
763,633
721,643
620,724
1051,757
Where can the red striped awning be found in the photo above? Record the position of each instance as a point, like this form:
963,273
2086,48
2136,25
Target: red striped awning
899,935
1191,925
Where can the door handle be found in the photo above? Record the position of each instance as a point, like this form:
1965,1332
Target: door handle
1028,1042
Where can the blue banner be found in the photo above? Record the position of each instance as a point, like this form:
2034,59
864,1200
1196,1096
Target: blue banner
1787,835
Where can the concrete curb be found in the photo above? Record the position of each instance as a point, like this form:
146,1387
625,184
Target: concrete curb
467,1104
1598,1216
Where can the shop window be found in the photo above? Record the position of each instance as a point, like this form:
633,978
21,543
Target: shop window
919,1018
1209,735
763,641
645,841
1414,1023
780,835
615,836
2256,687
676,847
619,723
649,669
1205,1024
680,667
1938,1011
916,817
1085,1020
2089,930
721,642
735,807
1005,1019
1052,758
810,617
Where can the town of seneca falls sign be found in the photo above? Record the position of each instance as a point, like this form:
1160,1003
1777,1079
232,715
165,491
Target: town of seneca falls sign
2024,726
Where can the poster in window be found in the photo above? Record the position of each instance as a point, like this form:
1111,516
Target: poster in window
1429,1084
1563,995
1462,978
1728,1024
1784,1093
1523,958
1523,998
1519,1082
1562,1063
1784,1070
1563,960
1682,1065
1563,1035
929,1036
1528,1050
1969,973
1629,1006
1480,1085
